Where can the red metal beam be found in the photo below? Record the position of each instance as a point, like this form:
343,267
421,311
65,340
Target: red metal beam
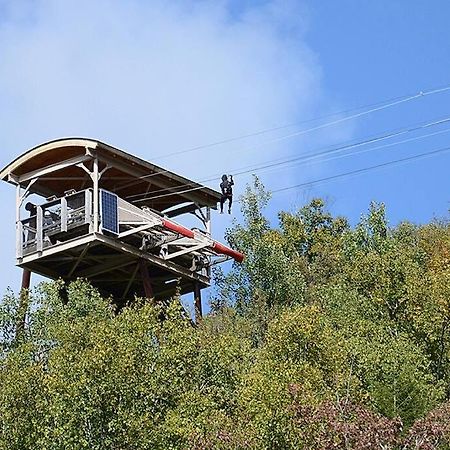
224,250
172,226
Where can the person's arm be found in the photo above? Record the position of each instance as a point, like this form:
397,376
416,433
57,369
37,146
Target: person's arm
231,180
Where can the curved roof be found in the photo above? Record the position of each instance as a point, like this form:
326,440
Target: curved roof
44,153
58,165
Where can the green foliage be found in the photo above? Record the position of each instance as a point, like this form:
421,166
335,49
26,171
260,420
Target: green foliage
300,360
326,336
385,292
84,377
393,370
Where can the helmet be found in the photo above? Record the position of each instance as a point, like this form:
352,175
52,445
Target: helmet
224,178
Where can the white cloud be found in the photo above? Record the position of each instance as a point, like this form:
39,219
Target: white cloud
153,77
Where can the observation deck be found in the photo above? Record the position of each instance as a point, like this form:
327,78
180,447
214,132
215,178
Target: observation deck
85,209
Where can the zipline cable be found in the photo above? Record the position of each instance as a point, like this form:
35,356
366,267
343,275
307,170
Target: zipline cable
395,101
339,149
278,162
364,169
359,152
374,107
422,155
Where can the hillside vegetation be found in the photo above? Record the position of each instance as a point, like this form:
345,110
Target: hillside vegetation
326,337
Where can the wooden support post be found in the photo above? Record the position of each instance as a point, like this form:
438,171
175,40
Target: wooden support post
23,304
208,221
19,229
146,279
39,228
95,179
197,302
88,211
26,274
64,214
26,278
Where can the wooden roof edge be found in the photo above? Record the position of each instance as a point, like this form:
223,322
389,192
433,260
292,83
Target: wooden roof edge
42,148
99,145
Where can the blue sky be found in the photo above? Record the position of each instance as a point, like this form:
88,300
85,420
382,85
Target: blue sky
370,50
156,77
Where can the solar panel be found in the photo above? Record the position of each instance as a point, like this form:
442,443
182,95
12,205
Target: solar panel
109,214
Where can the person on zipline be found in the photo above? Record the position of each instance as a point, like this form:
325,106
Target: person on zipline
227,192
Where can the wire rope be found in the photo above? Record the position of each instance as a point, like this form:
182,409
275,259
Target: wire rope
374,107
364,169
395,101
308,157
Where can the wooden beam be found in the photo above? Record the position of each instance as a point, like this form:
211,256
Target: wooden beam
79,259
57,248
41,270
103,268
182,210
130,282
170,266
101,260
52,168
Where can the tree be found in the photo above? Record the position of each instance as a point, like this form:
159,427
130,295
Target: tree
326,336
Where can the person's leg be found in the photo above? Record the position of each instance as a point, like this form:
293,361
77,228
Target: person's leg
222,201
230,199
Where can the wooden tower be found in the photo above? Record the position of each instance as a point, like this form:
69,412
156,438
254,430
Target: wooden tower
86,209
